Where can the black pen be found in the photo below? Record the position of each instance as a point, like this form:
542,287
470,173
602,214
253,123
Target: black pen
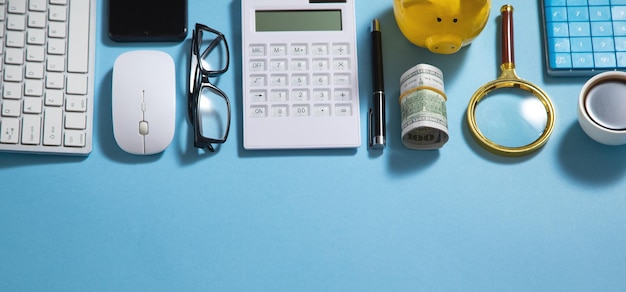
377,139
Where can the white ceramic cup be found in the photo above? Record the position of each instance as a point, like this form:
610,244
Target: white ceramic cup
602,108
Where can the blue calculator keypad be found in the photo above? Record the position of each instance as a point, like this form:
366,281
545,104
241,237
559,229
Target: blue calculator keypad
584,37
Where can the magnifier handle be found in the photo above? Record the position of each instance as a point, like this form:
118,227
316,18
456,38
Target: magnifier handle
508,55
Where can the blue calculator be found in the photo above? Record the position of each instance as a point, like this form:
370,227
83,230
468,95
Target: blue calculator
584,37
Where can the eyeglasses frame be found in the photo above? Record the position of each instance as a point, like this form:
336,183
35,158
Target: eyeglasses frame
199,79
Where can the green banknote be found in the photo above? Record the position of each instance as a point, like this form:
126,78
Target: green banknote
424,120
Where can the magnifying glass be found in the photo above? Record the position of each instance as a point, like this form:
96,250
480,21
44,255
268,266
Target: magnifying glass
510,116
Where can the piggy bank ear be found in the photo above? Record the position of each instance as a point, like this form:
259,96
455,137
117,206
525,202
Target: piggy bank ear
409,3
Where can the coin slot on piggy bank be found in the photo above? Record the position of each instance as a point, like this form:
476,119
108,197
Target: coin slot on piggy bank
441,26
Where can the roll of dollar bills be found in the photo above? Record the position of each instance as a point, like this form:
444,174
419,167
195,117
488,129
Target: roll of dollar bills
423,108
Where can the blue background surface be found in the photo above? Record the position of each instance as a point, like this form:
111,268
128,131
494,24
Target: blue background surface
342,220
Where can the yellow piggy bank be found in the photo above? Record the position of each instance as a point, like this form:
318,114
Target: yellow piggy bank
442,26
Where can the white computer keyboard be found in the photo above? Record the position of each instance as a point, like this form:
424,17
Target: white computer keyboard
47,69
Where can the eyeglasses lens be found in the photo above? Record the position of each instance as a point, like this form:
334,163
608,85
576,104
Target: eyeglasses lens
213,52
213,113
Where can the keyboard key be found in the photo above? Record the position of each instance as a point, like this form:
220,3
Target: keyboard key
74,138
15,39
33,88
17,6
11,108
55,81
36,20
57,29
12,90
57,13
75,121
54,98
76,103
10,130
16,22
52,126
76,84
14,56
31,129
13,73
37,5
32,105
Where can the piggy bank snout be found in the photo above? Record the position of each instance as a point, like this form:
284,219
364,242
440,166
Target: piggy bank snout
441,26
444,43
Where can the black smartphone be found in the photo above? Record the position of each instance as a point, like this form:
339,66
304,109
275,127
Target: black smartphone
147,20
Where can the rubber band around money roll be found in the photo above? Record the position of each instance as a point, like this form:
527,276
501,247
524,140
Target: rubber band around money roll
423,108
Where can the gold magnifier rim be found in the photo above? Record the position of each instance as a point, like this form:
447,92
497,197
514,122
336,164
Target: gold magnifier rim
506,81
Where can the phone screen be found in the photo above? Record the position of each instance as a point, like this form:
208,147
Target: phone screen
147,20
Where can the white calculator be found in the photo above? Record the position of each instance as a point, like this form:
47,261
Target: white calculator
300,81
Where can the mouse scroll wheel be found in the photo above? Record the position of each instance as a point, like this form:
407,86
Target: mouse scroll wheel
143,128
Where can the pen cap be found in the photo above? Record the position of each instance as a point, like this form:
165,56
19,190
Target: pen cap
377,56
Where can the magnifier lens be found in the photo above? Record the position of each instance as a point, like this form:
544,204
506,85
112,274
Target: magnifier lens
511,117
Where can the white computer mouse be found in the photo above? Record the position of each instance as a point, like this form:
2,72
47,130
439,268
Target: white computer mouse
144,101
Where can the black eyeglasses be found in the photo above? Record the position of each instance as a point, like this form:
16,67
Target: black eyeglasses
209,107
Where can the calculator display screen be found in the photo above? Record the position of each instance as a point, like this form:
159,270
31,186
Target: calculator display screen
298,20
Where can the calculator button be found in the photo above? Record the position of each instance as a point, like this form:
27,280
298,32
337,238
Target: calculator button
258,80
582,60
604,60
603,44
619,28
299,65
299,50
559,45
561,60
300,95
258,111
278,80
341,64
621,60
599,13
279,111
601,28
581,45
343,94
321,94
299,80
320,49
279,95
577,13
278,50
257,50
340,49
618,13
343,110
577,29
341,79
321,110
558,29
321,79
556,14
620,44
278,65
321,64
258,96
257,65
301,110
